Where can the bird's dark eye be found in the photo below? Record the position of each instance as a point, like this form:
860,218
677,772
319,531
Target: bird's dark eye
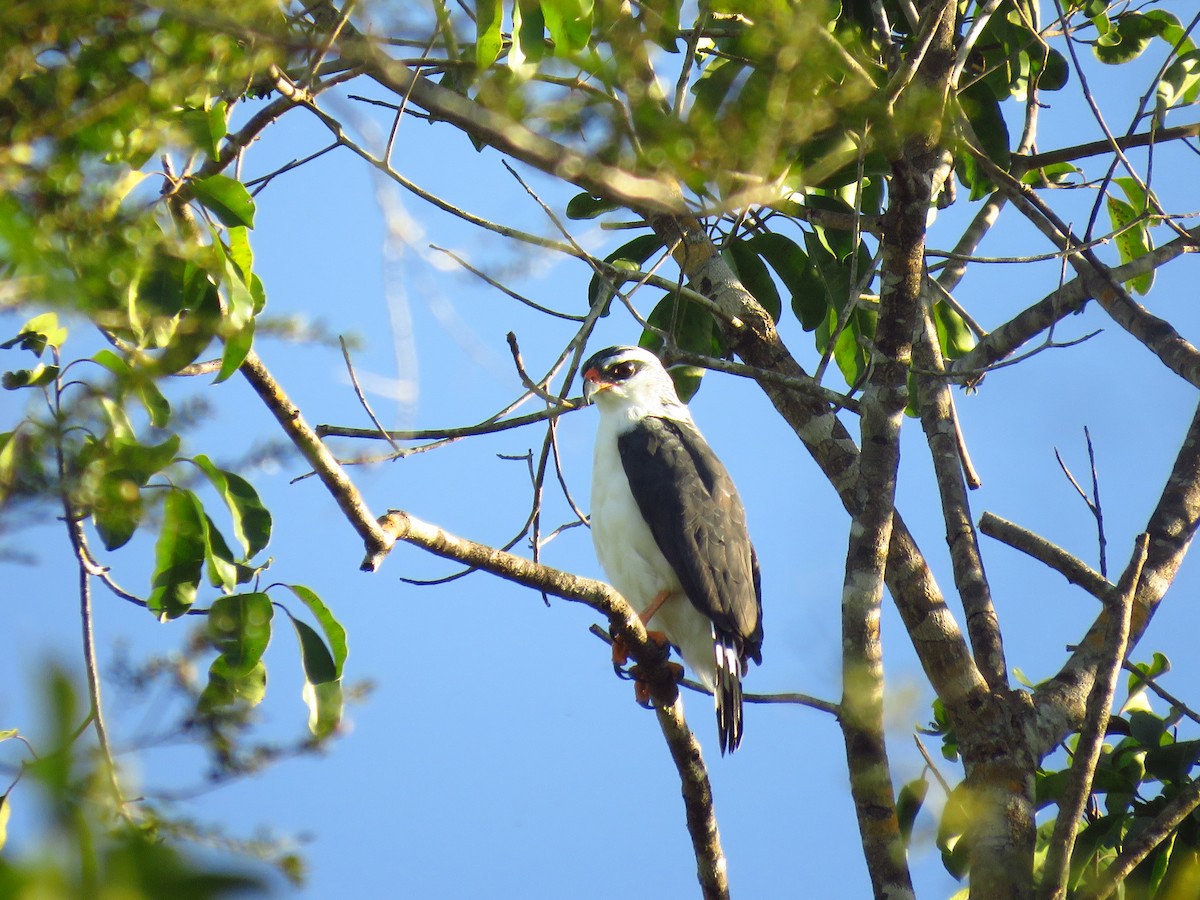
622,370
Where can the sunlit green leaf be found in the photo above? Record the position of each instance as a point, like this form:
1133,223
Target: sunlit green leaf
488,15
334,632
1126,40
226,198
529,31
226,688
1132,239
37,334
239,627
5,813
325,705
1180,83
251,520
569,23
322,689
178,557
39,376
954,335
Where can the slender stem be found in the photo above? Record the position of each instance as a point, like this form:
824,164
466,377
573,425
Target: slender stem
1119,601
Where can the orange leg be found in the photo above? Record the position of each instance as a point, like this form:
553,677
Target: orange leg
620,653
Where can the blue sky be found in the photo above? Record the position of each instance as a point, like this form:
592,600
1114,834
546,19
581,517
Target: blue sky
497,753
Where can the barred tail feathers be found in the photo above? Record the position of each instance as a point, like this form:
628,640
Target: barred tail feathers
727,691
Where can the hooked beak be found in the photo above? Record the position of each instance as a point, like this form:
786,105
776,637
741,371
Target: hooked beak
593,383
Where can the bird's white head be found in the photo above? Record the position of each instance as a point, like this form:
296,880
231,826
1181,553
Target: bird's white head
633,381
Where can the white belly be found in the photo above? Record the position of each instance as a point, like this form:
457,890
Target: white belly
636,567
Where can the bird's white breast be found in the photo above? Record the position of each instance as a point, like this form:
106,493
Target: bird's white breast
631,558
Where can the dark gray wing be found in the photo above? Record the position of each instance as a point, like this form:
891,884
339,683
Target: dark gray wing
694,512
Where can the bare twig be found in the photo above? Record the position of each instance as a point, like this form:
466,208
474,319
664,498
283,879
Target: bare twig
1092,502
361,398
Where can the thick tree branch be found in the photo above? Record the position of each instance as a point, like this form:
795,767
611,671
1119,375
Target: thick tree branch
1071,297
711,868
1058,559
1118,602
938,419
1098,148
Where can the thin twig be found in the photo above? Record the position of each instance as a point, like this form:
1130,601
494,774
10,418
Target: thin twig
1092,502
931,766
358,392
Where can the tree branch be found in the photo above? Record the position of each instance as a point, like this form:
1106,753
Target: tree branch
1137,849
1158,335
1058,559
1119,603
1057,305
939,423
1060,702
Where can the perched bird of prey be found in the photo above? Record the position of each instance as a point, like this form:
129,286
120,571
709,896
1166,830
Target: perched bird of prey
670,529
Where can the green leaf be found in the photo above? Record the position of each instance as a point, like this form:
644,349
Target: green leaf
908,804
1168,27
322,688
226,689
954,335
1161,861
39,376
754,276
1132,240
1180,83
5,812
1054,174
1146,728
178,557
206,126
1136,684
982,110
631,255
334,632
251,520
1172,762
692,329
791,264
37,334
488,15
157,407
223,571
1126,40
237,328
117,509
318,662
226,198
1053,73
325,705
239,627
529,32
196,327
569,23
585,206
